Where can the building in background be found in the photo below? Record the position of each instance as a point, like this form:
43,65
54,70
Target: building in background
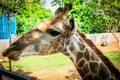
4,32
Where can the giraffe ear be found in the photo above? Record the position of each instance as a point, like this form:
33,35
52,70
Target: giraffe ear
58,11
72,24
62,12
67,8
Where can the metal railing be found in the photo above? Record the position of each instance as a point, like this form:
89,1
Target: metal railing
12,75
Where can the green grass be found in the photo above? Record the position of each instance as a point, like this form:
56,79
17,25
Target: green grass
32,63
40,62
114,56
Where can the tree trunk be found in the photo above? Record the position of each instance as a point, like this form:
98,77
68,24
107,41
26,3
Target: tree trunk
118,40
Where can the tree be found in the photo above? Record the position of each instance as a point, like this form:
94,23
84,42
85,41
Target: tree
7,7
96,16
28,13
92,16
111,9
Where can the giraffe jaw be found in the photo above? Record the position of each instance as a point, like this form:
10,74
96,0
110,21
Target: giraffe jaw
15,55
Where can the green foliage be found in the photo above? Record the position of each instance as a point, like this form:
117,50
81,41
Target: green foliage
59,2
29,15
112,9
114,56
0,11
92,16
95,16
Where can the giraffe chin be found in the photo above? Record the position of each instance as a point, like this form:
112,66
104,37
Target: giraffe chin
14,57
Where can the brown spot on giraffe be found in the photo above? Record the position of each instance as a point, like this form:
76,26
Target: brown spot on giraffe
81,63
103,71
86,69
97,78
81,72
89,77
80,55
94,67
87,55
71,47
100,54
82,47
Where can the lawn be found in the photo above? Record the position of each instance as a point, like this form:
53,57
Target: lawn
114,56
36,62
32,63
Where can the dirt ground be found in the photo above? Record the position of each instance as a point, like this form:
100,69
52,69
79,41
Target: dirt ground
112,46
64,73
67,72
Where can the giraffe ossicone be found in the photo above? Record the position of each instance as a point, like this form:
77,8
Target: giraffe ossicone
61,35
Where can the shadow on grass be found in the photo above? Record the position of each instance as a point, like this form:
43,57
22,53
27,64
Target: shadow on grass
20,71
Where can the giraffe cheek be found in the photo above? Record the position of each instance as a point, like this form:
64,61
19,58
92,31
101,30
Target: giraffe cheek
87,55
14,56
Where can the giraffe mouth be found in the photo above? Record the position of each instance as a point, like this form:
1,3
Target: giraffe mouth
15,55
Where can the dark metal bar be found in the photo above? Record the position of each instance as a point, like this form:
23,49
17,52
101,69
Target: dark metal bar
10,65
13,75
0,76
10,62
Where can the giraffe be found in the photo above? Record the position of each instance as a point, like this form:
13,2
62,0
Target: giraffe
61,35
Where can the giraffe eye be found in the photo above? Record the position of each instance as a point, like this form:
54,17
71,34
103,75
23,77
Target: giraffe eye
53,32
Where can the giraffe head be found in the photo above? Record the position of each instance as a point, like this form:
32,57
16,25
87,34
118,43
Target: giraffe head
49,34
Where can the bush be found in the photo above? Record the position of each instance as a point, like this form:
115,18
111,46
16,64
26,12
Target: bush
29,15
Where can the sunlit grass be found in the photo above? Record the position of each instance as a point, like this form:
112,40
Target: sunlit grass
55,61
40,62
114,56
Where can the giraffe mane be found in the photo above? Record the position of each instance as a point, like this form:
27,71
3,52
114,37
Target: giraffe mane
100,54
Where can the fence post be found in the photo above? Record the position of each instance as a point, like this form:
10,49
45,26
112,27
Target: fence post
0,76
13,75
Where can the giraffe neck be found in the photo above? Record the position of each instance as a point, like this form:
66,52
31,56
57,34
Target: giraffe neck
87,62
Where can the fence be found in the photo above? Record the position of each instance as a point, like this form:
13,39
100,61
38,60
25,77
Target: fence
9,75
112,39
